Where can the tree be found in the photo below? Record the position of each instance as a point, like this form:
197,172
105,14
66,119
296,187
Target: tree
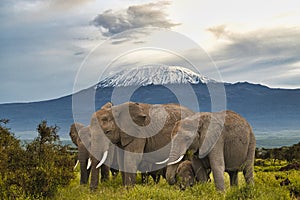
47,133
36,170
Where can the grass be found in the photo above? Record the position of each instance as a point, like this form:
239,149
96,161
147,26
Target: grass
266,187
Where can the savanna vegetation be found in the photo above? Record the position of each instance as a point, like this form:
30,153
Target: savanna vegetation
36,169
43,169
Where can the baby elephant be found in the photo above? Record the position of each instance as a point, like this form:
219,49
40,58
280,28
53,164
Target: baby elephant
185,175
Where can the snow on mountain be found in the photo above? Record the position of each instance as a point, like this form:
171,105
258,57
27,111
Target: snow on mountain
150,75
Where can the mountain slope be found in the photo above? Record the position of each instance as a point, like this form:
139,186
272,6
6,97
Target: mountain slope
273,113
149,75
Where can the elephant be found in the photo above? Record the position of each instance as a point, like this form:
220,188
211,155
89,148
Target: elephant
81,136
222,142
141,131
185,175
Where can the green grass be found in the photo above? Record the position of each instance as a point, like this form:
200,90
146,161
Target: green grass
266,187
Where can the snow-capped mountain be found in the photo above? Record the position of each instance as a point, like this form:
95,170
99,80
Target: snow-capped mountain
153,75
273,113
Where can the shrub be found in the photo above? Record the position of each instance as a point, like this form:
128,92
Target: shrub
36,170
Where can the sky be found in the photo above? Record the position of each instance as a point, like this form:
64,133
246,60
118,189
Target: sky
49,48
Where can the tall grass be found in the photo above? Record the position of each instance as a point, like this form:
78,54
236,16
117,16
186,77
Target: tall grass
266,187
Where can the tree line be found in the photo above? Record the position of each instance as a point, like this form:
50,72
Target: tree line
290,154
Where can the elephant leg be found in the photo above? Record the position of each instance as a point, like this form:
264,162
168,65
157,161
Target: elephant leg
129,178
201,173
156,177
120,160
248,170
218,173
217,164
233,178
95,176
133,155
248,174
144,177
131,164
114,172
123,177
83,172
104,173
88,173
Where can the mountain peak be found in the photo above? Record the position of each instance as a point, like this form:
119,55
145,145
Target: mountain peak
153,75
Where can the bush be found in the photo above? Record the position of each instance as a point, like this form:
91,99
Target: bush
36,170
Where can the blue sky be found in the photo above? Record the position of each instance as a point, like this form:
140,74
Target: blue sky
44,42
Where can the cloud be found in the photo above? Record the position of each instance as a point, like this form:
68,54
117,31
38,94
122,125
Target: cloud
218,31
262,55
67,4
137,16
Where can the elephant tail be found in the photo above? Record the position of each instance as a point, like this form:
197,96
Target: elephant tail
249,167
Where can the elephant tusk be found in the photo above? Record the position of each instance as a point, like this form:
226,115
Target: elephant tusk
162,162
76,165
176,161
89,163
103,159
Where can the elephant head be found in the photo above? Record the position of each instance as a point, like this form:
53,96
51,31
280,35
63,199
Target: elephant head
74,129
100,144
185,175
117,121
198,133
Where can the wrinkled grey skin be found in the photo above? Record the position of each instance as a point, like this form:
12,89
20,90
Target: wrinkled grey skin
128,136
229,148
201,168
81,137
185,175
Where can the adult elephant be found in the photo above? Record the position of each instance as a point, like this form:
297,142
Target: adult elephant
81,137
141,131
224,141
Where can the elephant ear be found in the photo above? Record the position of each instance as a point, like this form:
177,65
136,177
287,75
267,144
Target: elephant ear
74,129
85,137
210,128
129,116
138,113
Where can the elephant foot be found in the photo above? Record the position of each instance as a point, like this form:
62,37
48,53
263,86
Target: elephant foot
129,179
104,179
93,189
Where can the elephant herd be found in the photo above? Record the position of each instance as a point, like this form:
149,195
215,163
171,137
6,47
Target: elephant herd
167,140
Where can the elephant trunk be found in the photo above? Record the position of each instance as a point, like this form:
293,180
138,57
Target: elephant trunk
176,155
99,146
171,173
